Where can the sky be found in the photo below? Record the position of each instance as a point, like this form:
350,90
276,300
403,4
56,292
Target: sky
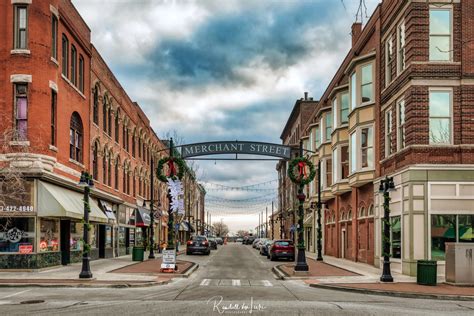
223,70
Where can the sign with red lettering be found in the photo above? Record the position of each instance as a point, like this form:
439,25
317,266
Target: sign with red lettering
24,249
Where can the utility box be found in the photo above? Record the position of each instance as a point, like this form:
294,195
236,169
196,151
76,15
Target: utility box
459,268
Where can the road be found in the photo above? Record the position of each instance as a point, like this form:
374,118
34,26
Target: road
234,277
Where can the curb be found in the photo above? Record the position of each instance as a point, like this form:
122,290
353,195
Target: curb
396,294
278,273
85,285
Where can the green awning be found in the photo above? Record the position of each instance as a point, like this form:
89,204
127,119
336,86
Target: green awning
56,201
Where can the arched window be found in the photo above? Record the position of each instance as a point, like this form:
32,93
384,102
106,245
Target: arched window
128,183
349,215
135,182
117,118
75,137
95,162
109,170
110,116
139,147
343,217
133,143
95,106
361,212
104,167
104,113
124,177
371,210
117,165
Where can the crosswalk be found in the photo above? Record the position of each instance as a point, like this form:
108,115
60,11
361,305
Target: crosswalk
236,282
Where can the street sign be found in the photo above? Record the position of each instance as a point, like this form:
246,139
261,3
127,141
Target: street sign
169,259
235,147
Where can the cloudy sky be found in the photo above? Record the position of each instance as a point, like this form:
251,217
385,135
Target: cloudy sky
223,70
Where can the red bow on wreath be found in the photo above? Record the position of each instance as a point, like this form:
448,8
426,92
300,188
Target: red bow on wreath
302,169
172,171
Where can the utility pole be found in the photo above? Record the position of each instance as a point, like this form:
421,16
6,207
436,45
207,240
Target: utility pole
272,222
266,221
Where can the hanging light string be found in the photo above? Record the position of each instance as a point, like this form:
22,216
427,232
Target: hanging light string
211,198
253,187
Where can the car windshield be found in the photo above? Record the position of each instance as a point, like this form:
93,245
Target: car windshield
199,238
284,243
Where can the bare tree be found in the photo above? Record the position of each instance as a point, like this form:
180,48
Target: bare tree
242,233
220,229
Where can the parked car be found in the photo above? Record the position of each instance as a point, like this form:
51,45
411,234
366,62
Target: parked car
248,240
239,240
282,248
254,243
265,246
259,243
212,243
198,244
219,241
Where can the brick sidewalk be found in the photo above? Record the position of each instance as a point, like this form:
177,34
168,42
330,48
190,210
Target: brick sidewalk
318,269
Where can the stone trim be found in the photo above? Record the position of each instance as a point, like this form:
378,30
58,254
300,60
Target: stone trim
20,52
21,78
54,10
21,1
74,87
53,86
19,143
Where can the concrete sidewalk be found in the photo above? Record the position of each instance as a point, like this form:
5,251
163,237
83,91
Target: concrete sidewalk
101,271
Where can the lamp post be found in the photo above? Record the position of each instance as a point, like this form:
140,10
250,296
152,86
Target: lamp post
152,213
301,264
87,183
171,229
386,186
319,206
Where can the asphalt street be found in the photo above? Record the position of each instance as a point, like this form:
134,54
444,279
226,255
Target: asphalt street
235,279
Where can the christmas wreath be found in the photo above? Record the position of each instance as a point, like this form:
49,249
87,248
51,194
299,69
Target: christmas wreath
301,177
172,172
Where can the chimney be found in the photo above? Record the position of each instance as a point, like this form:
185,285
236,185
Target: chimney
306,96
356,31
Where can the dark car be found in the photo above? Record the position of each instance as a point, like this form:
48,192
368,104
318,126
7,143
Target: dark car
220,241
198,244
249,240
282,249
265,247
212,243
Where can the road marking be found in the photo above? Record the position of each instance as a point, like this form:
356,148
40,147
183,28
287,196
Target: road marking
14,294
205,282
267,283
235,282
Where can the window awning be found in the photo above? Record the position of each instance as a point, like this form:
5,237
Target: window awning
55,201
143,217
108,211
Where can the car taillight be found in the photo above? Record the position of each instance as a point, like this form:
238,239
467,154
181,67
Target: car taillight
205,243
190,242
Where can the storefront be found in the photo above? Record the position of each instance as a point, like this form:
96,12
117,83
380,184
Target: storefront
142,223
126,229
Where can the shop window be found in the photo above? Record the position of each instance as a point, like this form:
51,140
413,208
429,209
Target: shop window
440,117
93,236
121,237
49,235
77,231
396,237
17,234
21,27
108,236
440,34
449,228
465,228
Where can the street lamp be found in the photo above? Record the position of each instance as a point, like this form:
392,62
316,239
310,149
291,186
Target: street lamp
386,186
319,206
87,183
301,264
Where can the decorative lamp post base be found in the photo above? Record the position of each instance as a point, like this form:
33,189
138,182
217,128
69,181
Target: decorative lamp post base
86,269
386,273
301,264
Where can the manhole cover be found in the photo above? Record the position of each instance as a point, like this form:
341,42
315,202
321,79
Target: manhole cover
32,302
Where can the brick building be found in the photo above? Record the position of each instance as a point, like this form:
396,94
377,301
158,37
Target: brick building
399,105
63,112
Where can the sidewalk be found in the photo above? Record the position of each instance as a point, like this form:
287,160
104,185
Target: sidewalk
101,270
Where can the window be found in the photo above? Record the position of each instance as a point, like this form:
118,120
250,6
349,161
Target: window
388,60
124,136
21,27
95,161
54,36
353,91
104,167
81,73
110,118
109,170
95,109
401,47
76,236
65,52
139,147
367,86
396,237
366,147
335,166
21,111
117,118
388,133
135,182
353,152
104,114
443,230
344,110
440,117
124,178
328,127
53,117
49,235
328,172
73,65
440,34
117,164
335,123
344,161
18,233
75,137
401,124
317,137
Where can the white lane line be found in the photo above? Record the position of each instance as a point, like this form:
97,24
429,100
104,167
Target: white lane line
15,294
235,282
205,282
267,283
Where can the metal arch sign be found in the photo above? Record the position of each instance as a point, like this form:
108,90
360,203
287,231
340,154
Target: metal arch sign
235,147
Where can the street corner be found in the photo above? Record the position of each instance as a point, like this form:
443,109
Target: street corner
316,269
183,269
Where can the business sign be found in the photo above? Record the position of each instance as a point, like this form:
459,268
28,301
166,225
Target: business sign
25,249
168,259
235,147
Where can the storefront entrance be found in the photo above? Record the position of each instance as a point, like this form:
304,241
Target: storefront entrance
65,229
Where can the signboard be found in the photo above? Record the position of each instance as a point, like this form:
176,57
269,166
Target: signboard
169,259
236,147
24,249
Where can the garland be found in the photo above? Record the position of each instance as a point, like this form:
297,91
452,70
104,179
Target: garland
301,178
173,174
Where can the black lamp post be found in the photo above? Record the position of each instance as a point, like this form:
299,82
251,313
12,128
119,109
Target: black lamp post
152,215
87,183
301,264
171,228
386,186
319,206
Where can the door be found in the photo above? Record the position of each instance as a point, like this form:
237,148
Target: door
127,241
65,228
343,243
101,241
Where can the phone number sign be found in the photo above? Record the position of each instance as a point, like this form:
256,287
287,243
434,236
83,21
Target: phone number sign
14,208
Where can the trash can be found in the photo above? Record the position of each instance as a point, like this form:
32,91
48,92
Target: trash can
426,272
138,253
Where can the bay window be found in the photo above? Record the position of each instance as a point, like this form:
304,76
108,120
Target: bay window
440,117
21,27
344,162
353,151
335,165
328,181
335,123
388,133
344,108
362,149
340,165
367,86
401,47
353,91
401,124
318,137
321,126
440,34
328,127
